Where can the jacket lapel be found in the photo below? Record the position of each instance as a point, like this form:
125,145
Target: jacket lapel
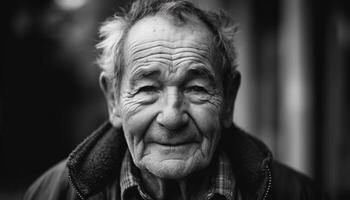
250,159
95,162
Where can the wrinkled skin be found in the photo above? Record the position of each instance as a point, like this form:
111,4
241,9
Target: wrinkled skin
171,97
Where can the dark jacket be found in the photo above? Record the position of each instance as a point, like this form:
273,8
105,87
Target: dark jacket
92,170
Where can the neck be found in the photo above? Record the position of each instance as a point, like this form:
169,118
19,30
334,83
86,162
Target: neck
191,187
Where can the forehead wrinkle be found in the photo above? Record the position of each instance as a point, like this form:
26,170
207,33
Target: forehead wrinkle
146,48
151,57
137,46
174,51
189,61
199,52
165,42
148,51
184,51
171,59
150,61
174,59
195,58
191,49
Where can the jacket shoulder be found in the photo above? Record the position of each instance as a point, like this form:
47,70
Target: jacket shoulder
52,185
289,184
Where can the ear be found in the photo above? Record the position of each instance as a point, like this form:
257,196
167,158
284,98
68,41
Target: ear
230,99
106,85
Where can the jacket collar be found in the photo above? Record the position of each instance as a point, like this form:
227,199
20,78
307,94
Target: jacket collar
96,162
251,161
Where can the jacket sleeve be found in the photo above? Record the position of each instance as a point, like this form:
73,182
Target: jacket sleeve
52,185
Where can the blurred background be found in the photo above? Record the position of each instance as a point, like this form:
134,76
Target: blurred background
294,57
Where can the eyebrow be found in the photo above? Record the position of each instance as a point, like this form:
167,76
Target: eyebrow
202,73
189,74
142,73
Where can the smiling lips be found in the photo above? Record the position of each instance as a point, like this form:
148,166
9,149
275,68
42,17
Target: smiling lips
175,140
163,137
175,144
179,149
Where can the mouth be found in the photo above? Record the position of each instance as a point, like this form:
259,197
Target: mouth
177,149
173,141
182,148
174,144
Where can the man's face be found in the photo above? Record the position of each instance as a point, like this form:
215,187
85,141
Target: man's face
171,98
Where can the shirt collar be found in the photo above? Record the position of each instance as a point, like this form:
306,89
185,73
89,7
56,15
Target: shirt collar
223,182
129,177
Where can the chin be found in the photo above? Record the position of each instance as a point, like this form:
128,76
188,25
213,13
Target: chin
174,168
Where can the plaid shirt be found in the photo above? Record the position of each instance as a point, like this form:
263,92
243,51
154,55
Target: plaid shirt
222,184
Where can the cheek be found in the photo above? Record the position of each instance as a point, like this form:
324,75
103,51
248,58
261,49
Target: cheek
135,116
207,119
136,120
208,114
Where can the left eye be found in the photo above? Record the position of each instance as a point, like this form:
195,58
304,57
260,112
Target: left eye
148,88
196,89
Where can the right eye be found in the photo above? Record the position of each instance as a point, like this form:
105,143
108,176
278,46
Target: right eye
197,89
148,89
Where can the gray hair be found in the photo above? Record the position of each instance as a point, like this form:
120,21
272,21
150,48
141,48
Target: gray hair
113,33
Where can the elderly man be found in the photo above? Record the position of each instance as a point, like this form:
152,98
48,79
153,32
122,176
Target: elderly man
170,81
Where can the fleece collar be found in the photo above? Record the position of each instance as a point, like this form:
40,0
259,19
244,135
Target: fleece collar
96,162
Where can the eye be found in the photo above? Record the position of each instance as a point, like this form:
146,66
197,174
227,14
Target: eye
196,88
148,88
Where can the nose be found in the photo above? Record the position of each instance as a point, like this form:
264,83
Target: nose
173,114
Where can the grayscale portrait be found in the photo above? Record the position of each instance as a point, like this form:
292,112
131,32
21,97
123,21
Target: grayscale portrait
189,110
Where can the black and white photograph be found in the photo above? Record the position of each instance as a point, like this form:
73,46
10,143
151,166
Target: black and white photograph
175,100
